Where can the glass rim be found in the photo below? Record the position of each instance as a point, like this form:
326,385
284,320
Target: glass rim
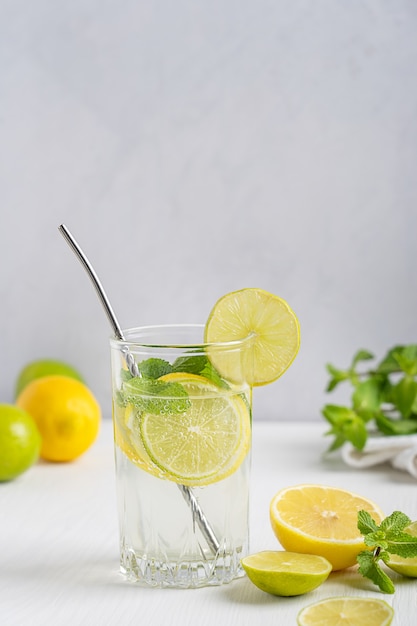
114,341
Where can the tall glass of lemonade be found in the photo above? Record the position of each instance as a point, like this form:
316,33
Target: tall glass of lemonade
182,433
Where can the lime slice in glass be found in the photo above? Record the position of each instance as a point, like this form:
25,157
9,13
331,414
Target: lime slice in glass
205,443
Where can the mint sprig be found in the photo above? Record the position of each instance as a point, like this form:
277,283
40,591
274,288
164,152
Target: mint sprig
155,396
148,393
383,399
387,538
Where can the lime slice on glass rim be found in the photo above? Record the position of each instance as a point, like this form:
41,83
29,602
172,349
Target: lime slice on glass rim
217,424
286,573
271,323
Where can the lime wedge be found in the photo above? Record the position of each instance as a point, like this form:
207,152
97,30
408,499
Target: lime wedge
286,573
348,610
271,323
405,566
204,444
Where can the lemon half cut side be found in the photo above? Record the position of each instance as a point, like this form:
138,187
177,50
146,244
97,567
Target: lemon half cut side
323,520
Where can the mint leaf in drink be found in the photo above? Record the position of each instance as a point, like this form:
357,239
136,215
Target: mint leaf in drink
154,368
125,375
156,396
200,365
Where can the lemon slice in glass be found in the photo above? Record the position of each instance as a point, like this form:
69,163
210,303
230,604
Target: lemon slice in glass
271,323
347,610
286,573
204,444
128,438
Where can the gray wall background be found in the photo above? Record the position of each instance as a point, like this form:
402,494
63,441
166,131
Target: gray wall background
195,148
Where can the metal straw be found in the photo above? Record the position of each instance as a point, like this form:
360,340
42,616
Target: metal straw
187,493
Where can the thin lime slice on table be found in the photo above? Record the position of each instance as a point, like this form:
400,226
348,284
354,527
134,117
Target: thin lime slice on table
271,323
348,610
286,573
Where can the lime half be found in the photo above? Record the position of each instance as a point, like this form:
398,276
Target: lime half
405,566
271,323
205,443
286,573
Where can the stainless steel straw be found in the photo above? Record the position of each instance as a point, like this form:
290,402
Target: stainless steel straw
189,497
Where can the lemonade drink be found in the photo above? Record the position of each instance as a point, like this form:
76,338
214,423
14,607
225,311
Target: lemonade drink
182,448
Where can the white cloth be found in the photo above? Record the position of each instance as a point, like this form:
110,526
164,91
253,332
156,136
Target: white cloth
400,451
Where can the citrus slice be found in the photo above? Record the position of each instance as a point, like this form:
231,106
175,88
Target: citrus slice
349,611
128,438
205,443
315,519
270,322
286,573
401,565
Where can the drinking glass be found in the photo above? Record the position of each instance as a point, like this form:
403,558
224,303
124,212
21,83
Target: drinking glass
182,434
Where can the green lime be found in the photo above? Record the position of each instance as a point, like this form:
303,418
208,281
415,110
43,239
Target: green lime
271,323
405,566
41,368
20,442
203,444
286,573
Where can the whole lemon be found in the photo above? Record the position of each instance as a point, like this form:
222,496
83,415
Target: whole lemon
20,442
67,415
44,367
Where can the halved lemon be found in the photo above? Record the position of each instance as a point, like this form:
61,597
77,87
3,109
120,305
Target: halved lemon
351,611
204,444
316,519
268,320
286,573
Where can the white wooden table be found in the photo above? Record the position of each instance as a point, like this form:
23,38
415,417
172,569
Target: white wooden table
59,541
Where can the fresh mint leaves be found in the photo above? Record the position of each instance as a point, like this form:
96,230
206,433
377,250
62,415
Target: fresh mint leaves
148,393
156,396
387,538
384,398
200,365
